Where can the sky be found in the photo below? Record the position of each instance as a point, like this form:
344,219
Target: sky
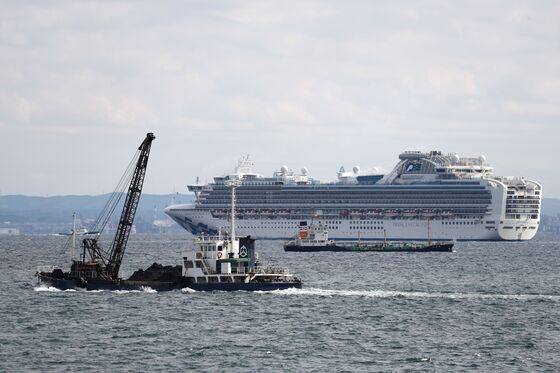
316,84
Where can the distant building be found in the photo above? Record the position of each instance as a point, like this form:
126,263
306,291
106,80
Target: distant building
9,231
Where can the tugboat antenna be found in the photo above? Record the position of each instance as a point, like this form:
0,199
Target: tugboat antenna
73,234
233,184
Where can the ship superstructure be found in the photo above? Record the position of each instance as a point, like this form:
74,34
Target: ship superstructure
457,197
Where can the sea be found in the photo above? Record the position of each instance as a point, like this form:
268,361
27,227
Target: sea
486,307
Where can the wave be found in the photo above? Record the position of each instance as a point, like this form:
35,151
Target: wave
51,289
411,294
331,293
45,288
143,289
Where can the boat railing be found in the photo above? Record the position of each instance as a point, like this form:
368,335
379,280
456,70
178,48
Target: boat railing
311,241
260,270
45,269
205,238
272,270
84,274
206,267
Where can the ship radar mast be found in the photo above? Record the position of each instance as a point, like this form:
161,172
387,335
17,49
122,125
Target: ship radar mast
233,184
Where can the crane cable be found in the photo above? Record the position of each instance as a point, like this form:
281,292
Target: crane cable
102,220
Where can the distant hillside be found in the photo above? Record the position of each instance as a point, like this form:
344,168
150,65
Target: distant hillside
551,206
54,214
25,209
59,209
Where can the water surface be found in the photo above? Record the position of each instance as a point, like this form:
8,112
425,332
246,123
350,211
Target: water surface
485,307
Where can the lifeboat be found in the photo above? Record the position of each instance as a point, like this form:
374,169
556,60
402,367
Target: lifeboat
429,213
357,212
391,212
410,212
218,213
283,212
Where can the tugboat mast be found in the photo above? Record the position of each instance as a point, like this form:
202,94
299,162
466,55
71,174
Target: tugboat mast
233,184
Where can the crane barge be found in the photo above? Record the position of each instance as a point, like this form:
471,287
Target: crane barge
99,269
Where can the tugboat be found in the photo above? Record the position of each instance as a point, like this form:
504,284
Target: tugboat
230,263
316,238
222,263
219,263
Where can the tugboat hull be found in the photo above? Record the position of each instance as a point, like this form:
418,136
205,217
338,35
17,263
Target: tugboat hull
251,286
97,284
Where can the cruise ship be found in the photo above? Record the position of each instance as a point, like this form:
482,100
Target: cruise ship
426,196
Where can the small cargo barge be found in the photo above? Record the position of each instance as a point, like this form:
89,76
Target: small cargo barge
316,238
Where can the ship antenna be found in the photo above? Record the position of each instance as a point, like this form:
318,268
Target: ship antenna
385,236
233,184
429,234
196,191
312,214
73,234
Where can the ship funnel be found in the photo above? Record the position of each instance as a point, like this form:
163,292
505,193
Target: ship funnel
303,230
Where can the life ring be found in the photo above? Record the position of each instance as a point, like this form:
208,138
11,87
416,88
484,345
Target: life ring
219,254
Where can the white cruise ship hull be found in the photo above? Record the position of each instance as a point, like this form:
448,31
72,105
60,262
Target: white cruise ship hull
201,221
426,196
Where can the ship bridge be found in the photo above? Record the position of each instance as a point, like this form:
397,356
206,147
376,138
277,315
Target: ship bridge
417,166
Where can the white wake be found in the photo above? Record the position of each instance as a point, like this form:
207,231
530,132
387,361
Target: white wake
410,294
50,289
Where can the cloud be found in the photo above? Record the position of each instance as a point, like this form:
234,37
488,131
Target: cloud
269,112
441,82
270,13
367,79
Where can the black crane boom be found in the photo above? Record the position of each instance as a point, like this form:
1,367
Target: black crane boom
129,209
